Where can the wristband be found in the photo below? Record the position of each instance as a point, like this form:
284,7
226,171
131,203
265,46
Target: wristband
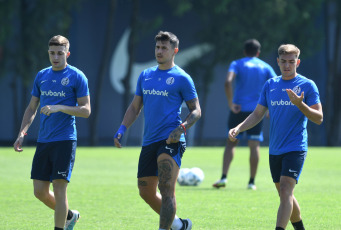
183,128
121,131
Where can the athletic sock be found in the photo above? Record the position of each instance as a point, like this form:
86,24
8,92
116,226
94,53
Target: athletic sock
55,228
177,223
279,228
252,181
298,225
223,177
69,215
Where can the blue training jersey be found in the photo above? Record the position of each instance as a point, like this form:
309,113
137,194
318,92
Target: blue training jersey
288,125
163,93
251,74
59,88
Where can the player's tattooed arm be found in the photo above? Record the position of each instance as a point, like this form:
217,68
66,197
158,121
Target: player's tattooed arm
194,115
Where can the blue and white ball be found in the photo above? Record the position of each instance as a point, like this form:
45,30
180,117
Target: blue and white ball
190,177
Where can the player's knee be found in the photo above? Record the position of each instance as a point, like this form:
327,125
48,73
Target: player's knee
40,194
147,196
285,191
165,188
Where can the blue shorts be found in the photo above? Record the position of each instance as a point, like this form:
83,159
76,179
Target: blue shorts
288,164
149,154
255,133
54,160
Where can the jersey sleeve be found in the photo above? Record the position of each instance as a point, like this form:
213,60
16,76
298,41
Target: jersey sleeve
36,91
312,95
82,88
271,72
233,67
188,90
138,90
263,96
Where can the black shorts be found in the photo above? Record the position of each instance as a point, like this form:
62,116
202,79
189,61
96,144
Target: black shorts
254,133
288,164
54,160
149,154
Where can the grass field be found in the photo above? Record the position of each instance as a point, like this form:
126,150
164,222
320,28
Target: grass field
103,188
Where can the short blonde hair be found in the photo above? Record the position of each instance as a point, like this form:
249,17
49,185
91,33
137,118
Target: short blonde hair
59,40
289,49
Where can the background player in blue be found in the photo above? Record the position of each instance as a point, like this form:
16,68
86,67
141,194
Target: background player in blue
291,99
62,92
250,73
161,90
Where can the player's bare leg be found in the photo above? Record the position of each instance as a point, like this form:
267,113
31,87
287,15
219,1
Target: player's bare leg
296,212
148,192
43,193
228,155
61,208
227,159
285,189
254,159
168,173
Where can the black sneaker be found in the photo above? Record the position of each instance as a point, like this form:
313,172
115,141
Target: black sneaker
186,224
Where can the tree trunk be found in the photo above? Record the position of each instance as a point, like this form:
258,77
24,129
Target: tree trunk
101,75
333,107
131,53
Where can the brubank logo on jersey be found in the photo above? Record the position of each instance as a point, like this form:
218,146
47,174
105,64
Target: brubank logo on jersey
52,94
155,92
281,102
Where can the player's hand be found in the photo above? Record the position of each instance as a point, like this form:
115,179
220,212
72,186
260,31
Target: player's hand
294,98
174,136
18,143
117,140
235,108
119,135
233,133
48,109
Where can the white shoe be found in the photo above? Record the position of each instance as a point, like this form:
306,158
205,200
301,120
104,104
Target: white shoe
252,186
186,224
220,183
70,224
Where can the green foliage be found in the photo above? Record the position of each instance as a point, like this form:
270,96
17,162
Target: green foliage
25,30
226,24
104,189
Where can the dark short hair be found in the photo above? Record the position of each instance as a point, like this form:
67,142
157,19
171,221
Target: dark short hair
251,47
59,40
168,36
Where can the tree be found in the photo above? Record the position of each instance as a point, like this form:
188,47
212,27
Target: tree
333,47
25,26
226,24
102,72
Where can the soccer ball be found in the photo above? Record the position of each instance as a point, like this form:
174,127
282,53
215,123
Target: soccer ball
190,177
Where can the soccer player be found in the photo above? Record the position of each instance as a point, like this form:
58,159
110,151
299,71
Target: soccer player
161,90
62,92
291,99
250,73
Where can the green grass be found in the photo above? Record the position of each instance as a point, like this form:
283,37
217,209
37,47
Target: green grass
103,188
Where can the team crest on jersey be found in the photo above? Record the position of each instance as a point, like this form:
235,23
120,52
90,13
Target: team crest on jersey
296,89
65,81
170,80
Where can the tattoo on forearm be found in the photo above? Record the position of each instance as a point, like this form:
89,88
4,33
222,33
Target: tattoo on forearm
176,133
195,112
